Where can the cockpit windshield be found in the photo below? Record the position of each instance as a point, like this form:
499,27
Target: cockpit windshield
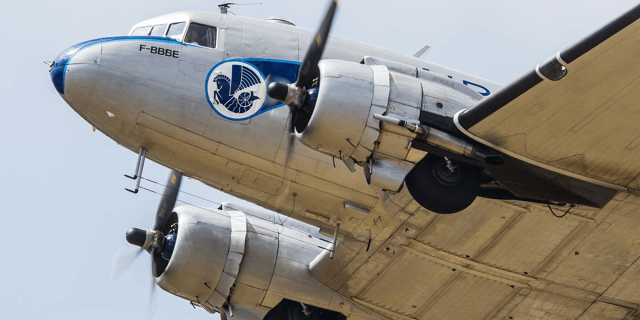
155,30
141,31
176,30
158,30
198,34
201,35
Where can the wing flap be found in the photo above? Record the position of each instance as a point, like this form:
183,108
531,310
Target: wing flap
585,125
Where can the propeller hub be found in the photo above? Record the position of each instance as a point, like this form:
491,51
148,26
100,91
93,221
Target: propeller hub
278,91
145,239
136,237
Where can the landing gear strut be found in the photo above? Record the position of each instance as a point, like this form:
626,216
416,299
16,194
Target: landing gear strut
142,155
442,185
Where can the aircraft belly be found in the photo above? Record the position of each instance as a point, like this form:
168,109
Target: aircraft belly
260,137
250,177
242,157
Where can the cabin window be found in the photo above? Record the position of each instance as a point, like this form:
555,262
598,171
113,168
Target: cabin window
142,31
201,35
175,30
158,30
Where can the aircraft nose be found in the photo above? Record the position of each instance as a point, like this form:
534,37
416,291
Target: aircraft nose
74,71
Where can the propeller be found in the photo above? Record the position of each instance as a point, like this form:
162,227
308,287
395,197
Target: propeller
297,95
122,261
168,200
152,298
151,240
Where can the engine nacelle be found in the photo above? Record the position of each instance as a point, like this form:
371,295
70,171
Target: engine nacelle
342,110
246,265
351,99
206,258
377,114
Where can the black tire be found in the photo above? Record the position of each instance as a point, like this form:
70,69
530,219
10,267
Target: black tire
443,194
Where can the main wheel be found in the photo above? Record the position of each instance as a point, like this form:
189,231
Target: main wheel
443,186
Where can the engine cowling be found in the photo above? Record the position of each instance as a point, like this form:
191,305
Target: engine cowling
343,123
373,113
230,262
342,110
200,256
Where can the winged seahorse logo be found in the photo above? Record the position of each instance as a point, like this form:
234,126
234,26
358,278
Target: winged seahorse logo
235,93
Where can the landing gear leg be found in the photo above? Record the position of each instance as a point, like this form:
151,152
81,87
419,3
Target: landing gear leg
139,166
442,185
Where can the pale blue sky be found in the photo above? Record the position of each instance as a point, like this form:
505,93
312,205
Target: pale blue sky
65,211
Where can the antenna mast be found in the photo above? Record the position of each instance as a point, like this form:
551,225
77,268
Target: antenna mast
224,7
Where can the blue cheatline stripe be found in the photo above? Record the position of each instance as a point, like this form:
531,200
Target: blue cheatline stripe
59,68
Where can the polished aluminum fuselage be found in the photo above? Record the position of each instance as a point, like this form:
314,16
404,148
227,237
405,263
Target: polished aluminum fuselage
141,98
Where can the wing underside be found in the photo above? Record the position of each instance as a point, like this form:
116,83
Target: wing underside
585,124
495,260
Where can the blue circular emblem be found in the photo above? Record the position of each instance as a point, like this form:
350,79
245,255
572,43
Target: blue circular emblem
236,90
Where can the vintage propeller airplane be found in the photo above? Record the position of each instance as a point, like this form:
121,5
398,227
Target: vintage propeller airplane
374,153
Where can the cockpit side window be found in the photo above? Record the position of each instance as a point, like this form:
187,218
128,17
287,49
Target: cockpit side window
142,31
175,30
201,35
158,30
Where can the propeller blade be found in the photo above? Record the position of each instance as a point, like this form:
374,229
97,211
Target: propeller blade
290,132
291,136
152,293
309,68
122,262
168,200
